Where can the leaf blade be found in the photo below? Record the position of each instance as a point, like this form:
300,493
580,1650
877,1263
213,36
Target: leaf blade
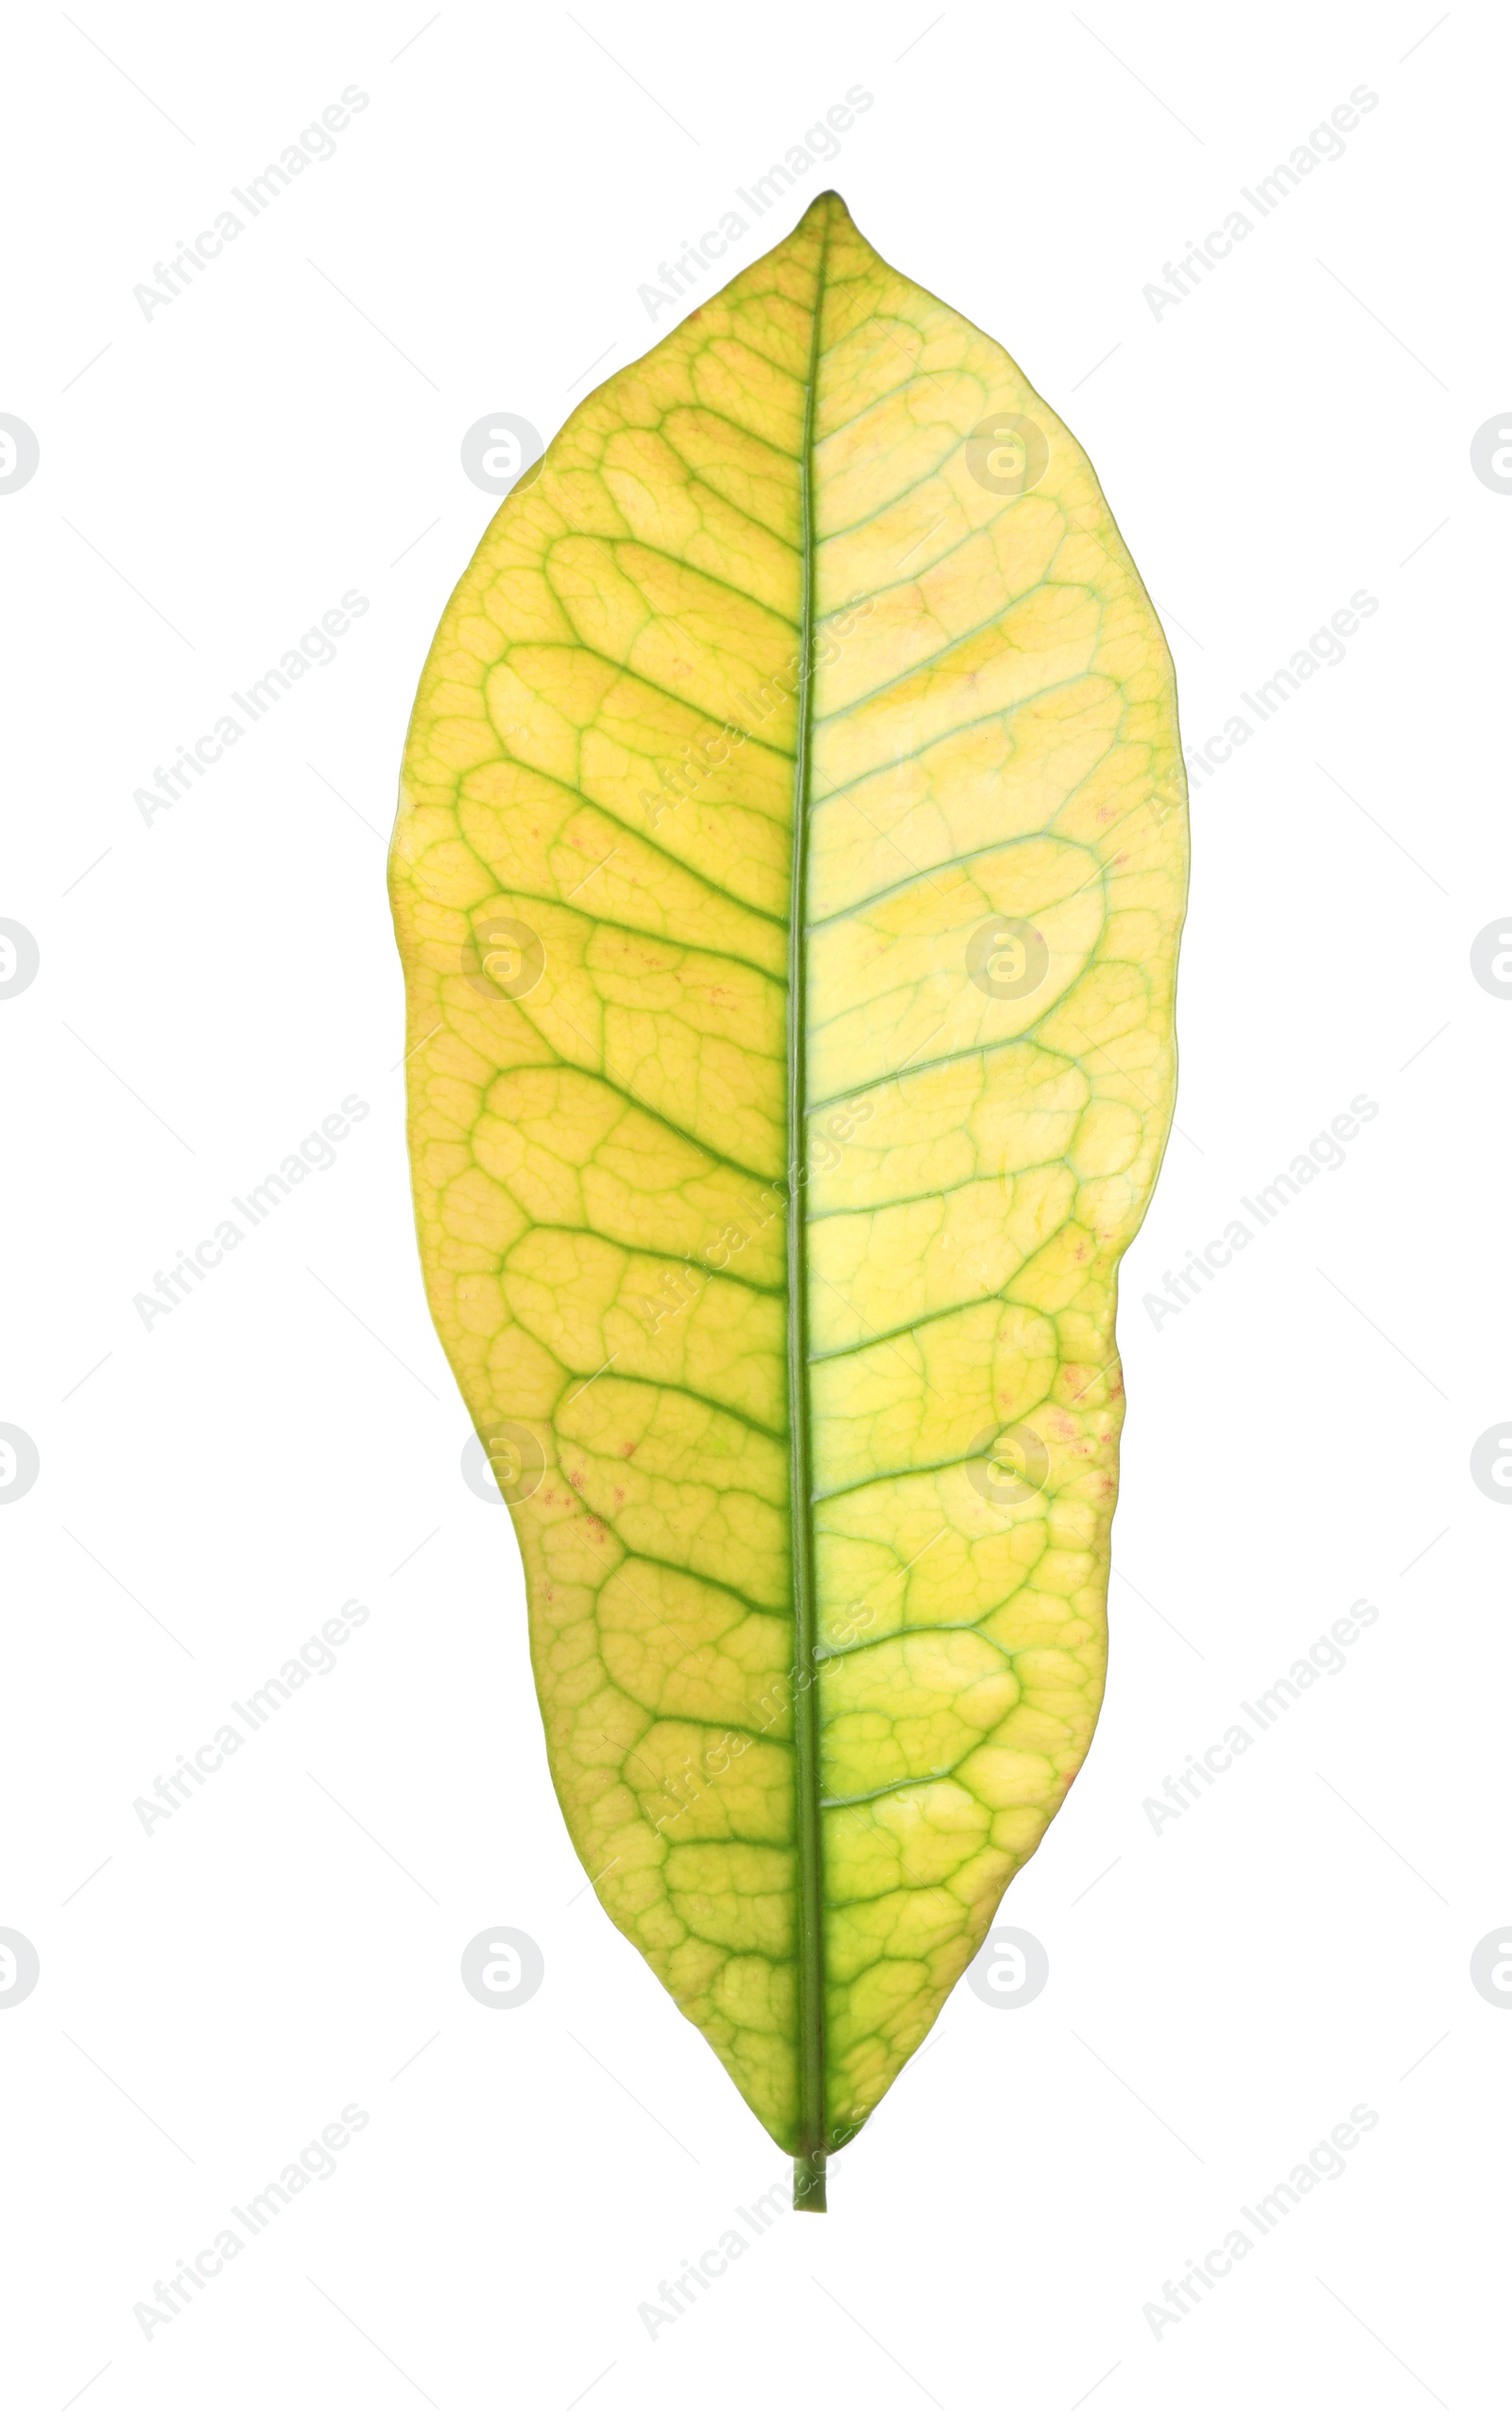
791,811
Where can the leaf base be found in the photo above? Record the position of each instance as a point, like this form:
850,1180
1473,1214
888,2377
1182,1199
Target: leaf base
808,2183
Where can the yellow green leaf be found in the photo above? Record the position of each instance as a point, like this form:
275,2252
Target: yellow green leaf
788,875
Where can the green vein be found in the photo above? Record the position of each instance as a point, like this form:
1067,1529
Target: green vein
959,640
711,1153
880,1792
666,1565
947,1313
642,933
610,1523
970,724
808,2169
914,1472
622,1239
947,1060
945,866
579,647
928,1195
695,570
593,806
923,1632
660,1388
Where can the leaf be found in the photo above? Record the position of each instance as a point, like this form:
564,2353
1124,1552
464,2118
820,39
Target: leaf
788,874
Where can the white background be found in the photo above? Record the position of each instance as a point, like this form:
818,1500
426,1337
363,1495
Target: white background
212,984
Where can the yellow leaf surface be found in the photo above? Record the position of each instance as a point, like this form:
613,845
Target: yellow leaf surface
788,875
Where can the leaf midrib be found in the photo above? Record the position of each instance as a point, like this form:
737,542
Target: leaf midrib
809,2169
